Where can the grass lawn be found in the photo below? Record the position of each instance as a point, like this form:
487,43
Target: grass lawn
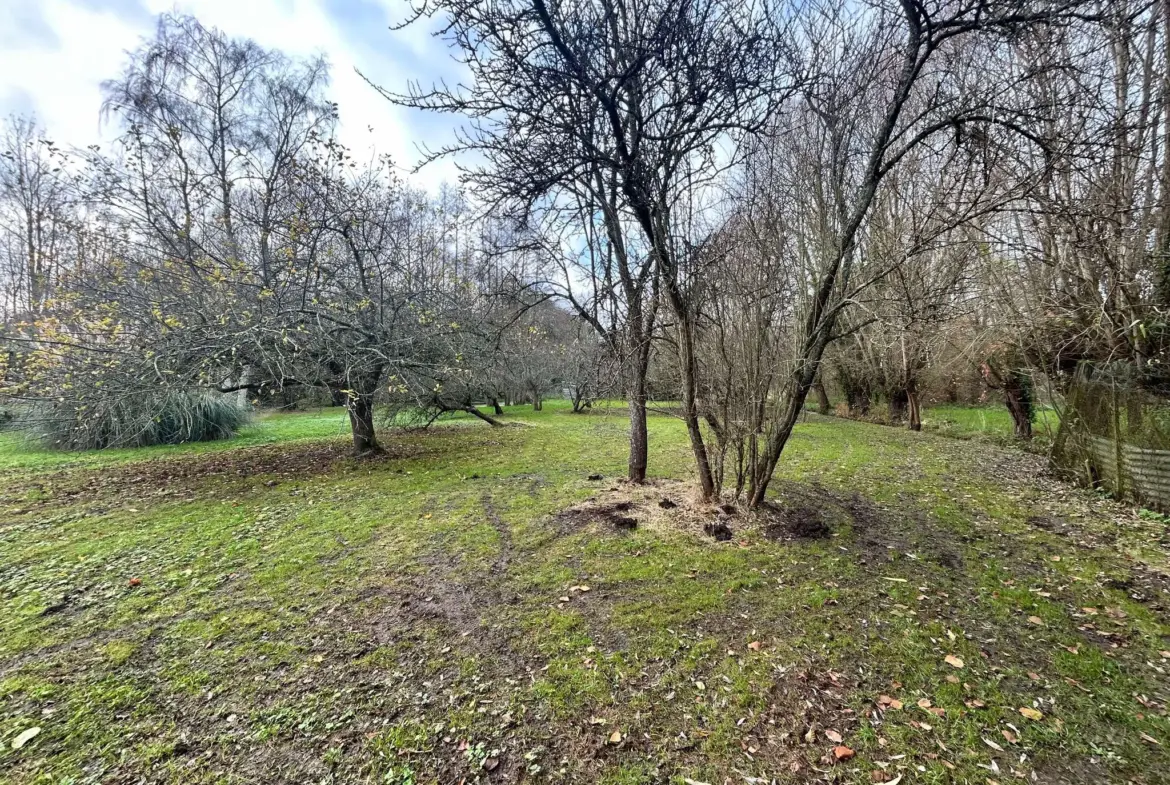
914,609
993,422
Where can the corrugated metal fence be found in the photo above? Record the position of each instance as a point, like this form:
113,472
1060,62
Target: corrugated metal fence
1135,472
1113,435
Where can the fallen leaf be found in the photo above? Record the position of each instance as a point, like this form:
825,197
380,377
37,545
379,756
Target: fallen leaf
1031,714
1033,676
1150,739
842,752
755,645
992,744
953,661
25,737
1011,737
924,703
135,581
888,702
490,764
597,720
1035,620
833,736
615,737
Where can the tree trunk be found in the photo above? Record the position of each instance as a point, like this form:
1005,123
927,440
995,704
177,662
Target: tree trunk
1017,396
823,405
639,438
913,408
691,408
637,369
639,434
496,407
361,422
777,440
688,368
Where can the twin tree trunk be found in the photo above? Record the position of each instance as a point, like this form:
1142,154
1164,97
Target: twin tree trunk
913,407
361,422
359,404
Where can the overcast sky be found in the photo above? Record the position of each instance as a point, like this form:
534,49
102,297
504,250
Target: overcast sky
54,54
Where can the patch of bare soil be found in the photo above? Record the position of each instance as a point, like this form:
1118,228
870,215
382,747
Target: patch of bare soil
615,515
799,522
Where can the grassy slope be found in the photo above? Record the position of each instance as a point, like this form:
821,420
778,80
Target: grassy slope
303,617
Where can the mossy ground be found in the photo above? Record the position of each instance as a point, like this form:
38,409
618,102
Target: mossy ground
269,610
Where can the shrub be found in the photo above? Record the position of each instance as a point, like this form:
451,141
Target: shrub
96,422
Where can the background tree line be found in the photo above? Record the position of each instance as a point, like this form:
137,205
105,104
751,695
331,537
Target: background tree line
725,204
228,243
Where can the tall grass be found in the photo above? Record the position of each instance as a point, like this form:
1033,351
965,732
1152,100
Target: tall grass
97,422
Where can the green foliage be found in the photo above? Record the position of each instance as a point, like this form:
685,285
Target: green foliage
106,421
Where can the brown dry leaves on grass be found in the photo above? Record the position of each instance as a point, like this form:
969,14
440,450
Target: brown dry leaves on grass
187,477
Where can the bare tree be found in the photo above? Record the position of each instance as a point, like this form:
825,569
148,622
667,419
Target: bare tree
36,217
647,96
887,80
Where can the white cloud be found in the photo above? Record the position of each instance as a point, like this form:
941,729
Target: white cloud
62,78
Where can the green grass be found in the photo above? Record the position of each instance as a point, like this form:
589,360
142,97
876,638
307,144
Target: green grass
267,609
994,422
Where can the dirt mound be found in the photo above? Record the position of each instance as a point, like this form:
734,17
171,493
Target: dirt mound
609,514
720,531
802,523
